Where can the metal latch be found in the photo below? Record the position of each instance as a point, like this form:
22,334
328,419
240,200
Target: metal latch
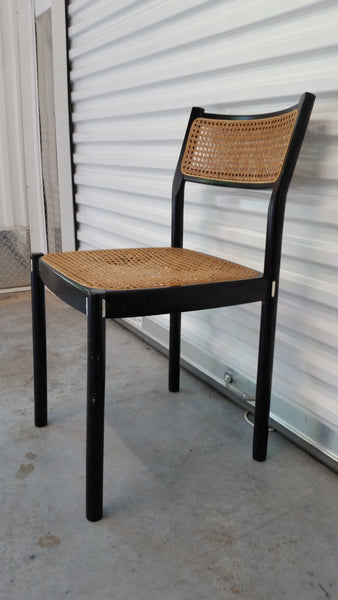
238,386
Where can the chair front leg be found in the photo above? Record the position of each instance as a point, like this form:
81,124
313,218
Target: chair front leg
264,378
174,351
96,353
39,343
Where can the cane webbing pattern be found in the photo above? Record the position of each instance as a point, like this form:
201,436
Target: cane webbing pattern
238,151
144,268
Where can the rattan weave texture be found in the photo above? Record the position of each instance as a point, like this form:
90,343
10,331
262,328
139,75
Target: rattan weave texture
144,268
238,151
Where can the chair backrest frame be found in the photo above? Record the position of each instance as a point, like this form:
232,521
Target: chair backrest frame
279,187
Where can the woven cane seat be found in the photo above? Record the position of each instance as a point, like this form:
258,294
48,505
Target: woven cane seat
238,151
143,268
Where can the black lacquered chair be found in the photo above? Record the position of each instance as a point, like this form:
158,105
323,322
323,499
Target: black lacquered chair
241,151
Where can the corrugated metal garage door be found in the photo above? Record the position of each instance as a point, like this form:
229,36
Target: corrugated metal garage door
136,69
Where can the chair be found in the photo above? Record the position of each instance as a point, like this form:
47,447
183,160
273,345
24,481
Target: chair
242,151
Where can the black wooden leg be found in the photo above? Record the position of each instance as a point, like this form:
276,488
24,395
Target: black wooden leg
174,352
264,379
95,406
39,343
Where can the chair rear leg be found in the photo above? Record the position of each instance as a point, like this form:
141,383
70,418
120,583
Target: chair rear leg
96,353
39,343
264,378
174,352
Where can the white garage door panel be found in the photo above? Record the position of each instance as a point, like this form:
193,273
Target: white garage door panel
137,67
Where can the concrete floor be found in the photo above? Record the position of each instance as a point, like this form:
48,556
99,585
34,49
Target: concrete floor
188,514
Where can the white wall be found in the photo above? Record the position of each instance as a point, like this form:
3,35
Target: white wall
21,199
13,209
21,189
41,6
61,103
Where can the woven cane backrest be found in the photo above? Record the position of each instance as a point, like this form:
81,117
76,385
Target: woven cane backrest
238,151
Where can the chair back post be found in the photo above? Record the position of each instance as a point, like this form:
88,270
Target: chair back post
177,218
276,211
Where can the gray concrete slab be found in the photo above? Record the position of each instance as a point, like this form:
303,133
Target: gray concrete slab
187,514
